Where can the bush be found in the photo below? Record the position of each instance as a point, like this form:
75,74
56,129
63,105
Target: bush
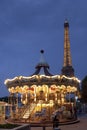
9,126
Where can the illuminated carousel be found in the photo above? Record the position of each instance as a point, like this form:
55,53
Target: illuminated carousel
42,95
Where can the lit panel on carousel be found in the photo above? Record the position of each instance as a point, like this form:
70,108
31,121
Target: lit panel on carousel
42,79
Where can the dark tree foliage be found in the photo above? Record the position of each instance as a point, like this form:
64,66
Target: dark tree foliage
4,99
84,89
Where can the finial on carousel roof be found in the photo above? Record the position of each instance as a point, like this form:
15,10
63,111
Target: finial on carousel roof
42,65
42,60
66,24
42,51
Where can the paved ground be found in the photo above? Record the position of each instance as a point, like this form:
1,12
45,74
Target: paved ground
82,125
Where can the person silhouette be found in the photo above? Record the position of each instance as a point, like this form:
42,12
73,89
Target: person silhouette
55,122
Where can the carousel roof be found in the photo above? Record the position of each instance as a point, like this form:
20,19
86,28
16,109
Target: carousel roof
42,67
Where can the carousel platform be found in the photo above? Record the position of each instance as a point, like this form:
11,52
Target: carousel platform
43,123
48,123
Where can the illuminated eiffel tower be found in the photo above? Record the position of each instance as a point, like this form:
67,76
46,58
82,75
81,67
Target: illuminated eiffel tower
67,69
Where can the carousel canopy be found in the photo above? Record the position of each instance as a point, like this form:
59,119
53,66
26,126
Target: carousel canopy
42,79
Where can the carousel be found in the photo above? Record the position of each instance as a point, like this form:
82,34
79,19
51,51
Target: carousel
42,95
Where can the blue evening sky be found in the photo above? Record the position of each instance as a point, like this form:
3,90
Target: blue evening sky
27,26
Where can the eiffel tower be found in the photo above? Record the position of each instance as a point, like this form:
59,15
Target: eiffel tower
67,68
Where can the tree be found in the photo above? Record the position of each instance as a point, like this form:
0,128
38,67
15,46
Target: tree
84,90
4,99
